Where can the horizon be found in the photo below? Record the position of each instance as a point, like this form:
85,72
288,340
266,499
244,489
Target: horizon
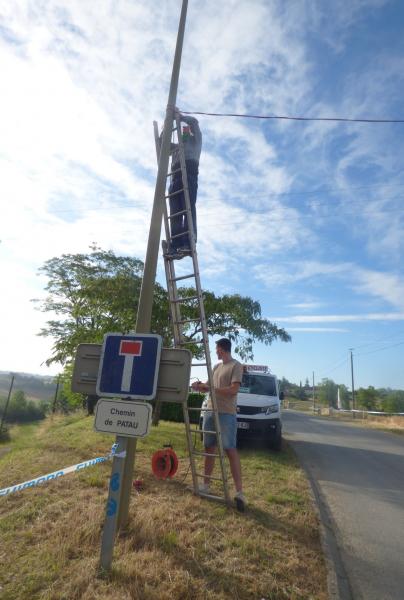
304,217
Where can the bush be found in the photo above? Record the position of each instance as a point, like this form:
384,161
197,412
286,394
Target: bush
394,402
171,411
4,434
21,410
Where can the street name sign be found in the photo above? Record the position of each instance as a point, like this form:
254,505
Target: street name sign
127,419
129,366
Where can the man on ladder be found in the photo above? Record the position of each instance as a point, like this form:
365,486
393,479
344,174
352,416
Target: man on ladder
192,145
181,199
227,377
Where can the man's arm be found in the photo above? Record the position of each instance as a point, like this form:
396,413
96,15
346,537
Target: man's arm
194,125
229,390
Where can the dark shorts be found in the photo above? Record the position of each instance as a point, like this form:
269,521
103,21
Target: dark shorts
228,428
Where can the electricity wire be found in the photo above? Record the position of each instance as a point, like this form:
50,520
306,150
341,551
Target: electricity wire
287,118
379,340
380,349
337,366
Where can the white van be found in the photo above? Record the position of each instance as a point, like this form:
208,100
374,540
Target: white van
258,407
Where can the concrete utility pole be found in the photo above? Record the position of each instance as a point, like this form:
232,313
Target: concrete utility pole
143,322
353,387
314,400
56,394
3,418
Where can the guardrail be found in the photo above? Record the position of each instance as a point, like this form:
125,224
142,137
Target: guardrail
365,412
307,406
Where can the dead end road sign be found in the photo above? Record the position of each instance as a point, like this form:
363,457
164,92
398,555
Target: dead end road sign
129,366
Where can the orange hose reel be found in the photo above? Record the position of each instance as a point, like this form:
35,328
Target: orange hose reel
164,463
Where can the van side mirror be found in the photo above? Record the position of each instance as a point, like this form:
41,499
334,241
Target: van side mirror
281,395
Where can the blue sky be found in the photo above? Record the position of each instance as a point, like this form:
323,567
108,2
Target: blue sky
305,217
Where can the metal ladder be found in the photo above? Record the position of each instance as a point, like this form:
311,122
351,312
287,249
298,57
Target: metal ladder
191,302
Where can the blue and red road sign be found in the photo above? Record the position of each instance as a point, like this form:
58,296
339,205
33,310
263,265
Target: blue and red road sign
129,366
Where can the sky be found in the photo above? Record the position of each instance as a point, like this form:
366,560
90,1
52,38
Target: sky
305,217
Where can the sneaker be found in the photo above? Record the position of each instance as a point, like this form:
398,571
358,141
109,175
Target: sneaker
240,501
185,251
203,488
173,254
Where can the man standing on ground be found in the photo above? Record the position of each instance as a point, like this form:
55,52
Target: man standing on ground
192,142
227,377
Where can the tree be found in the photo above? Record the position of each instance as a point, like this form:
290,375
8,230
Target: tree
343,395
301,393
394,402
327,392
95,293
367,398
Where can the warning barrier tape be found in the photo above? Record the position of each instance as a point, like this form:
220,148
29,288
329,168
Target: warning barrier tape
56,474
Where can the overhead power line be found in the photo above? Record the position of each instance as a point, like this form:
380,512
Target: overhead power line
379,349
285,118
383,339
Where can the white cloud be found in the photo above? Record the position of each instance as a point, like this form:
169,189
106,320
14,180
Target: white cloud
82,86
340,318
306,305
388,286
317,329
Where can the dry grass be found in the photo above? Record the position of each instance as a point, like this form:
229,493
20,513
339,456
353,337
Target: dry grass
177,546
391,424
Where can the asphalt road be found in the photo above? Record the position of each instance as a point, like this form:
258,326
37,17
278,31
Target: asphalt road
359,474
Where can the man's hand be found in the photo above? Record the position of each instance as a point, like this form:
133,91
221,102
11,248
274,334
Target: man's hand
198,386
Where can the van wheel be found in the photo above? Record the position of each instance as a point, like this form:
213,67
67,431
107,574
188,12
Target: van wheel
275,442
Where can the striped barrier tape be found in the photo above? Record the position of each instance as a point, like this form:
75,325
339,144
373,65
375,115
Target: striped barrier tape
56,474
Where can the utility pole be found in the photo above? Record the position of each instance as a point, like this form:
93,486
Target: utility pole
3,417
353,387
56,394
143,322
314,400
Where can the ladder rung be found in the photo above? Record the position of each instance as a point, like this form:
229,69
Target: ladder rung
202,430
211,496
185,299
187,321
177,214
174,193
172,172
208,495
199,364
177,235
196,408
204,454
183,277
209,477
192,342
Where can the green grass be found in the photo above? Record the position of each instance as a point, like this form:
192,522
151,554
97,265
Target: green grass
176,545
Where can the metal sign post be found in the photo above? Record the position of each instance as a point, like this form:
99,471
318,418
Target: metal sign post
114,495
150,267
129,366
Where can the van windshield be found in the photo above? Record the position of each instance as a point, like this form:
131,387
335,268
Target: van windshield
258,384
